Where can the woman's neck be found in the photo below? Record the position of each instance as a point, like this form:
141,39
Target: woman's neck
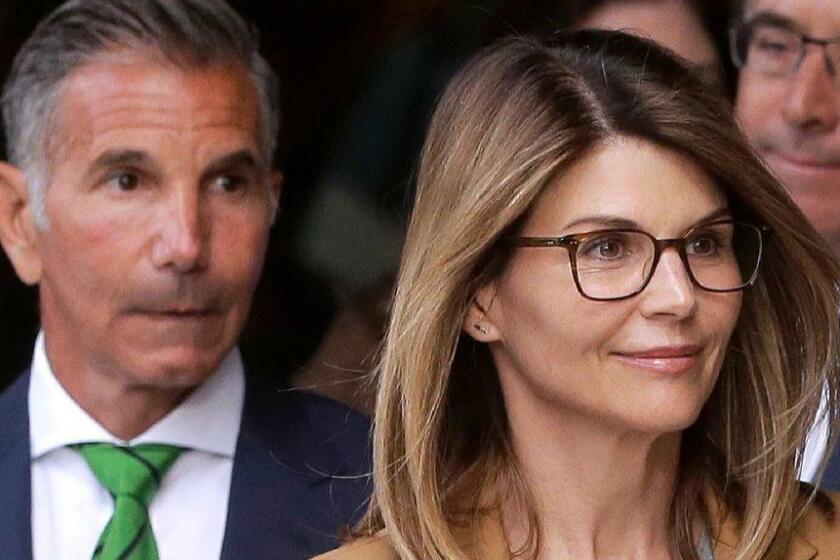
598,492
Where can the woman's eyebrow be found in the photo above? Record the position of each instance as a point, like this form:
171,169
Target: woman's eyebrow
722,212
617,222
605,221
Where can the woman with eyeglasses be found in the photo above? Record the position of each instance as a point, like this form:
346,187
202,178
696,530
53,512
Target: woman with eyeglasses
611,327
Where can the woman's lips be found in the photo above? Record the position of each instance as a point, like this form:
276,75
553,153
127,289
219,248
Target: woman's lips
664,360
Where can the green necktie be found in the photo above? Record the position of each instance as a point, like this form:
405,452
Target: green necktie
132,475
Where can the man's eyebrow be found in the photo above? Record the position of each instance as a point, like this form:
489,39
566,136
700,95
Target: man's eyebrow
115,159
121,158
777,20
241,158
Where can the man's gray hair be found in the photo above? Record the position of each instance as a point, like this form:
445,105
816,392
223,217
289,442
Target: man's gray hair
188,33
743,7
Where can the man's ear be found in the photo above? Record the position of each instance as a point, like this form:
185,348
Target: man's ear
18,232
276,188
477,322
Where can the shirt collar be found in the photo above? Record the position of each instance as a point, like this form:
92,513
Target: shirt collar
208,420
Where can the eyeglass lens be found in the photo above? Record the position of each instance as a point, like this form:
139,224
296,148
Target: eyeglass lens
615,264
778,51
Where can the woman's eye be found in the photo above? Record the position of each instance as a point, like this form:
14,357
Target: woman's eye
609,249
605,249
702,246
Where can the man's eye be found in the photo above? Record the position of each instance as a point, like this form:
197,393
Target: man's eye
773,41
775,47
126,181
229,183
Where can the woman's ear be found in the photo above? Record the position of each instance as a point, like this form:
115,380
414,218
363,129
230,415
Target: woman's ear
18,232
477,322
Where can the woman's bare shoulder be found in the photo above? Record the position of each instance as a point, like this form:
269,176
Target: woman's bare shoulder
367,548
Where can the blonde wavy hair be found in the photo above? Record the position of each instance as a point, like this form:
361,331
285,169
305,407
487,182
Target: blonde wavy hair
519,114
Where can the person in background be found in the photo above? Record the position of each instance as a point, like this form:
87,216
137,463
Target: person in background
138,197
678,24
366,189
788,104
611,326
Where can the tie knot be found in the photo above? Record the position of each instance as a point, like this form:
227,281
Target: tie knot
136,471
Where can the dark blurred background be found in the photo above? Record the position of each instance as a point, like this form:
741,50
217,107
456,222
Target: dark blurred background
359,80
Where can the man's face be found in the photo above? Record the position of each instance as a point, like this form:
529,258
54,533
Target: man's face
793,120
159,207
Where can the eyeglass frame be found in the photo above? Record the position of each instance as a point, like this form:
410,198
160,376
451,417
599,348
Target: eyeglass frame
804,40
571,242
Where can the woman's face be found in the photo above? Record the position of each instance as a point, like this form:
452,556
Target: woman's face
643,364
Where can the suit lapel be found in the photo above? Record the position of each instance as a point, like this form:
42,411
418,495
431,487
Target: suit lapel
15,478
284,501
831,477
256,519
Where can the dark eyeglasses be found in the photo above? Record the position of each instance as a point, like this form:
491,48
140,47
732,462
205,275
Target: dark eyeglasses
775,49
615,264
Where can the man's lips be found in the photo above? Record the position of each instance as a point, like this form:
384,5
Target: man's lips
662,359
803,163
176,313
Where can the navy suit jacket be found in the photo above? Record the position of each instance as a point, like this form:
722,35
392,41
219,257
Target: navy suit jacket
831,476
299,475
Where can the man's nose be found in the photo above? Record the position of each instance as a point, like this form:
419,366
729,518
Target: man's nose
181,245
813,101
670,292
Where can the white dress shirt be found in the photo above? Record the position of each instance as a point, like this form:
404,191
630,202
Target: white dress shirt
188,512
815,444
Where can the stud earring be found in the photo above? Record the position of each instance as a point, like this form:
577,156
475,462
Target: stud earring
481,328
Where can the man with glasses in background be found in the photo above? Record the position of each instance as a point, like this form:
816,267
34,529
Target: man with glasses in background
788,103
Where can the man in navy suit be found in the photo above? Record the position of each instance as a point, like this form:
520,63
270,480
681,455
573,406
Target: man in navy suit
138,197
788,103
